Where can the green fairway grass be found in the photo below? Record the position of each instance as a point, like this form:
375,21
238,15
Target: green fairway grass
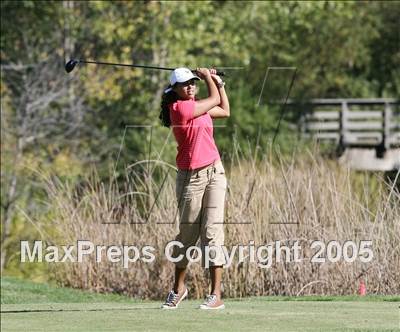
28,306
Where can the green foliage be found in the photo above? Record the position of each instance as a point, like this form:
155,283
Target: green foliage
339,49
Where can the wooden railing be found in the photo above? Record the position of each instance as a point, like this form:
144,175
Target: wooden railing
353,122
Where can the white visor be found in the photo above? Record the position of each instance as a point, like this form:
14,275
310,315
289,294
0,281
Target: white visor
181,75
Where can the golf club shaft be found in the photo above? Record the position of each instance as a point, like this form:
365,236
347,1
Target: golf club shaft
124,65
220,73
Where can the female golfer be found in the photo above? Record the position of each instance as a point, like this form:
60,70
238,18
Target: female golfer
201,182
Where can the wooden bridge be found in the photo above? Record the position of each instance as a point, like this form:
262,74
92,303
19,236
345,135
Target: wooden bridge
366,131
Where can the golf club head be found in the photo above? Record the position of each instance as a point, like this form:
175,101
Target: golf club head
70,65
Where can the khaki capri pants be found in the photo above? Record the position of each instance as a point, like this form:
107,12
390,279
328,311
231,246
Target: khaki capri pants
201,200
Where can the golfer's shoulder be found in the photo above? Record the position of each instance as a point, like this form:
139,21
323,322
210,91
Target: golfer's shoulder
182,105
182,111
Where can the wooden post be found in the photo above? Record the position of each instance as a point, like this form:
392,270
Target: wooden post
386,125
343,123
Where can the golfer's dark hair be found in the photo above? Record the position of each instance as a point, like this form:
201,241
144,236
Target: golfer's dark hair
166,100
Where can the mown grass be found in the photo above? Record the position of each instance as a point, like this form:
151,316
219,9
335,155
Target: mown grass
19,291
28,306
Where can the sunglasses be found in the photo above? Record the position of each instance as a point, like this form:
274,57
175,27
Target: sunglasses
187,83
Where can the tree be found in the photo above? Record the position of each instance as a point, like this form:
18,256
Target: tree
37,108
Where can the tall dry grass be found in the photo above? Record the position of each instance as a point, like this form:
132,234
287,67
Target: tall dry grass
302,198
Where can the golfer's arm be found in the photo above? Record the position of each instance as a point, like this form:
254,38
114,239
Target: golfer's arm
222,110
204,105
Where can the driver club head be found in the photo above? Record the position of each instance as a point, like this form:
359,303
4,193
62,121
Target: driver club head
70,65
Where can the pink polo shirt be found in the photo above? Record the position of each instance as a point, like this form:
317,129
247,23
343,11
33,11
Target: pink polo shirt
196,146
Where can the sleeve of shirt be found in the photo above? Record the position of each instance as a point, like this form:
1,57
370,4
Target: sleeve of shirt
182,111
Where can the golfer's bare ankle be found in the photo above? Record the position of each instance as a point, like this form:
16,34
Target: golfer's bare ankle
217,293
179,289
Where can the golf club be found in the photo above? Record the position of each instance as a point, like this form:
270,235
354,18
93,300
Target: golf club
70,65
